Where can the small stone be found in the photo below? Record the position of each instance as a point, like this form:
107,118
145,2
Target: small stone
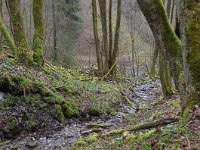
57,146
43,139
32,144
1,95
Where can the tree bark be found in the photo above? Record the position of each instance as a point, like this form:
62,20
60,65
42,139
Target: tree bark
103,13
153,66
38,32
165,37
110,29
164,72
24,53
7,37
191,20
54,32
117,32
96,38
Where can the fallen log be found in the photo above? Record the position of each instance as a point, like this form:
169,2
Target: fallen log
155,124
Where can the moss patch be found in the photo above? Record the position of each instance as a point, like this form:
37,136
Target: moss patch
59,113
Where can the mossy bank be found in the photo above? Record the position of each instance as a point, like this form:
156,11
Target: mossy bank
33,94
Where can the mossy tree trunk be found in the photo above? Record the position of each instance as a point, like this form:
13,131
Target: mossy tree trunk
38,32
7,37
96,37
164,73
25,55
165,37
191,16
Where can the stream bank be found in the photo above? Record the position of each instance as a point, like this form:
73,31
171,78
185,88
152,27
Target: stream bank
142,91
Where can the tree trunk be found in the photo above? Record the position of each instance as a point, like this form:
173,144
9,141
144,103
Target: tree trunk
54,32
110,29
1,37
165,37
96,37
164,72
7,37
38,32
103,13
153,66
169,3
192,31
117,32
19,32
133,52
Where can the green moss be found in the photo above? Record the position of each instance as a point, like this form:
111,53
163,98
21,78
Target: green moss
11,101
92,138
146,135
38,32
58,113
4,142
113,132
96,124
192,100
192,18
19,32
11,126
35,101
70,108
79,144
156,114
175,103
172,42
7,37
95,111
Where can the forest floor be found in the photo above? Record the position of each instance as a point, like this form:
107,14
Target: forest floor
56,108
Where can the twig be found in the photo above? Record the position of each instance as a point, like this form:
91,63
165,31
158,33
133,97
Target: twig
188,141
108,71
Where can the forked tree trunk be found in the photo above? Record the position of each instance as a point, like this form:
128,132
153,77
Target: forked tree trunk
165,37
